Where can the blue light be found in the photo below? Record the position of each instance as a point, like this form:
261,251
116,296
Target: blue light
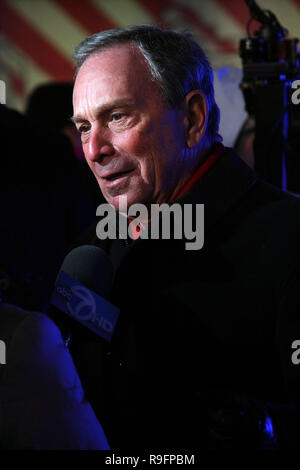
268,429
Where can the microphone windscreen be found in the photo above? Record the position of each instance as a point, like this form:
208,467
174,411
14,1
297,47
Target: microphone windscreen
91,266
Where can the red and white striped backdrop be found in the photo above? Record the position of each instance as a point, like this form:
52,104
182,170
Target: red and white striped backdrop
37,37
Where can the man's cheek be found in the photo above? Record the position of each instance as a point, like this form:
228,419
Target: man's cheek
138,138
85,150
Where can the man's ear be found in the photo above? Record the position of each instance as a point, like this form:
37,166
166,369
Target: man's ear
195,109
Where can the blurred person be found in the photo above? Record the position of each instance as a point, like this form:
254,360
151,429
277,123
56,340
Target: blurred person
42,403
49,109
42,209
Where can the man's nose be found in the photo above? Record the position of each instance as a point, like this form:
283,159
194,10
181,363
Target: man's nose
99,146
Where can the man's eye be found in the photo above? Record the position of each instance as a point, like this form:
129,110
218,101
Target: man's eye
117,116
82,129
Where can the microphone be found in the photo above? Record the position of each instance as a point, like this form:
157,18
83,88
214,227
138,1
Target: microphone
82,287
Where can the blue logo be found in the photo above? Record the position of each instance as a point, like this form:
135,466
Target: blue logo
85,306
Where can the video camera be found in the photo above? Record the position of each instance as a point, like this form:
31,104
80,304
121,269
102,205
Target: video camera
271,63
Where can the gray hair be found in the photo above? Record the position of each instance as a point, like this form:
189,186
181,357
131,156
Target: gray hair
176,61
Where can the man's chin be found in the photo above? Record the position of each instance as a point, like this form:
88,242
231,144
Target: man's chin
123,201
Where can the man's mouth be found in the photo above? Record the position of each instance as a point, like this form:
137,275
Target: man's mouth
117,180
116,176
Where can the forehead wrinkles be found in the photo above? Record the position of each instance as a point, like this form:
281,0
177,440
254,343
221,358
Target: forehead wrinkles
94,94
119,70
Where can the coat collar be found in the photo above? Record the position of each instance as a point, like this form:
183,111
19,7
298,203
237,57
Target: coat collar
222,187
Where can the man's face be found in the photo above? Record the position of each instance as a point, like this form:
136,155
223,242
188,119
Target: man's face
132,141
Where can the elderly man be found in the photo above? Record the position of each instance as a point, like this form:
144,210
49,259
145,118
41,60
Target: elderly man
204,336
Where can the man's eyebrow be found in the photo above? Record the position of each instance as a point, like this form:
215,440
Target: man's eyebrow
76,119
104,109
